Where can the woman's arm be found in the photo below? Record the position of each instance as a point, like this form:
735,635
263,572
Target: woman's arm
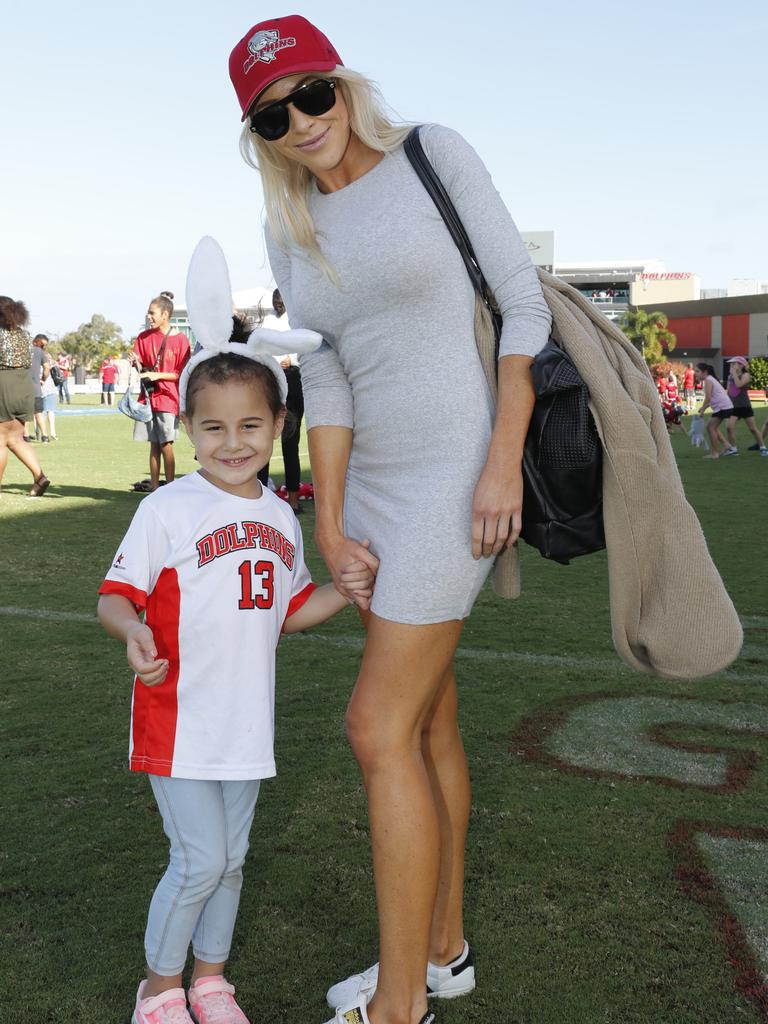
329,450
707,395
500,250
156,375
497,502
498,498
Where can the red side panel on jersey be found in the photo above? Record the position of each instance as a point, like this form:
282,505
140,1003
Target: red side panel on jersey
155,708
298,600
137,597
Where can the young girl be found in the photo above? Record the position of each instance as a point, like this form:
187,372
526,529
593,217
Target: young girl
216,563
716,398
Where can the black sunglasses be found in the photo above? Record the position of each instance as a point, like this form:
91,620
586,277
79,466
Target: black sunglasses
273,121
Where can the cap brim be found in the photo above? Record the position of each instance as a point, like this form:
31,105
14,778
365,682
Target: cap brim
295,69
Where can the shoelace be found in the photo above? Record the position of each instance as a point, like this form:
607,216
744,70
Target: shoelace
218,1008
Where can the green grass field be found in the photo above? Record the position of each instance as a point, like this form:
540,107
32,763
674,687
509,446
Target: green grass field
618,857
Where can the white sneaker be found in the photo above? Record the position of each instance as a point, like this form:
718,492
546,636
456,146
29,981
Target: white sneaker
730,450
354,1014
357,1014
455,979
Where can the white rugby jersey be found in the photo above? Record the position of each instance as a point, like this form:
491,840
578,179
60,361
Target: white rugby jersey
217,576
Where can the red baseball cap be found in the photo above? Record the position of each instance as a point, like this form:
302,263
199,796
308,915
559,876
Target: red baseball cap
276,48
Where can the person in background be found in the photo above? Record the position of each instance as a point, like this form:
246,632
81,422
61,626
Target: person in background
17,400
689,388
40,372
739,378
274,321
108,374
160,354
48,395
64,365
716,397
291,436
672,388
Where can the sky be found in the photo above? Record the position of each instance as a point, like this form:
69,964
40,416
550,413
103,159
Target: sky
631,129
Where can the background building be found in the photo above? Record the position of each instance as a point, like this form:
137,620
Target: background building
715,329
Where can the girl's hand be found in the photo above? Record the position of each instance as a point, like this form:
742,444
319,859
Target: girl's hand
142,655
359,579
341,555
496,510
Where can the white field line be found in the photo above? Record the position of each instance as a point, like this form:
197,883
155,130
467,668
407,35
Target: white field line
600,665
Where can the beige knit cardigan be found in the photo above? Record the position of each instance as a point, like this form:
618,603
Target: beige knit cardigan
670,613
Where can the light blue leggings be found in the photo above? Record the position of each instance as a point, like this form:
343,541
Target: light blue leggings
196,900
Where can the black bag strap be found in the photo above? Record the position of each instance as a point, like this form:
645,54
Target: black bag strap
160,352
434,187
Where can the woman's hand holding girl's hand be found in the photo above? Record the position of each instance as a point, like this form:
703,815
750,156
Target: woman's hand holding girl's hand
142,655
496,510
358,578
343,556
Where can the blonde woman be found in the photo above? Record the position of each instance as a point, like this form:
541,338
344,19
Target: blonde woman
412,474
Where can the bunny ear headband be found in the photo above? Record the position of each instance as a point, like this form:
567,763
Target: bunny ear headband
209,307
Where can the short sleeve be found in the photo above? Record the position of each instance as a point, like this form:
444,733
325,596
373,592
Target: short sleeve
141,557
498,246
302,585
182,354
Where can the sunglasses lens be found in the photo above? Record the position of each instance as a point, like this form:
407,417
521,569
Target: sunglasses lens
317,98
272,122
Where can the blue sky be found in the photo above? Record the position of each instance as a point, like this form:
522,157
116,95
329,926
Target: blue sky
635,129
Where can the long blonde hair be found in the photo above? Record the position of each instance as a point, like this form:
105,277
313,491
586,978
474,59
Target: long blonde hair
287,184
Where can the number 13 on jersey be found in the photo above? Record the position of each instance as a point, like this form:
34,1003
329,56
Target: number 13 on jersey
263,595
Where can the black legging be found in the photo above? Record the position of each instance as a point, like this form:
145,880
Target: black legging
290,438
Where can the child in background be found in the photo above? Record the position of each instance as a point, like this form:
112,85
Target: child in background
216,562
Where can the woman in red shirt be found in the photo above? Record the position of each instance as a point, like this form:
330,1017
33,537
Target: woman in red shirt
160,354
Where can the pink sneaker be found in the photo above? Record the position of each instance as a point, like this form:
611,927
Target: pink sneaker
212,1001
168,1008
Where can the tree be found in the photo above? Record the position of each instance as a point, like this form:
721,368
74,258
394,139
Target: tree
758,371
91,343
648,332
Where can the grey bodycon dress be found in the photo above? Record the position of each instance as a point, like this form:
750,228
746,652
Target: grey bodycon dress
400,367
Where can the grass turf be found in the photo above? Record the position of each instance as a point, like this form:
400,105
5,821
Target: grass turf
574,906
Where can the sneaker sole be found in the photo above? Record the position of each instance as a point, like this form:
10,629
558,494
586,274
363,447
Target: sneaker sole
444,994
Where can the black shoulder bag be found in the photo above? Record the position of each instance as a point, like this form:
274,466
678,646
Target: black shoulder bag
562,460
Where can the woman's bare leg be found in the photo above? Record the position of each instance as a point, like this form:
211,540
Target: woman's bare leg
446,765
402,672
12,436
715,436
730,429
752,427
